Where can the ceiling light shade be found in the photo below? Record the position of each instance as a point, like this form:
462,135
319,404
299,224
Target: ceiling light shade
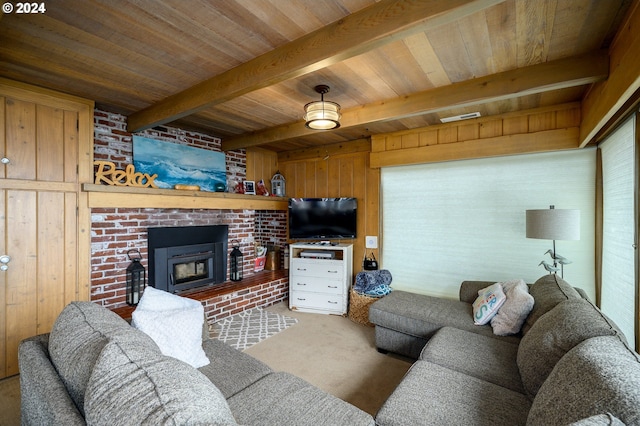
322,115
553,224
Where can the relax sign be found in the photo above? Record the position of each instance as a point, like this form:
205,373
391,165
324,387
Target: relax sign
108,174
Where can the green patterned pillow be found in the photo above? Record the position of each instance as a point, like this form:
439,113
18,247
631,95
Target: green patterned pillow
488,303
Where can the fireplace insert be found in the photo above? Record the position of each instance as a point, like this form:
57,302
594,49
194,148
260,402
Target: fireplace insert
186,257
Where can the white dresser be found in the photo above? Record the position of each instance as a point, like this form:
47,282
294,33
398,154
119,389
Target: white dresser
319,277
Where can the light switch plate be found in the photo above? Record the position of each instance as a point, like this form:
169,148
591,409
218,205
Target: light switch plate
371,242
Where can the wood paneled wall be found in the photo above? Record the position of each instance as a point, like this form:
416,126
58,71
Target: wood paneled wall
261,164
339,170
539,130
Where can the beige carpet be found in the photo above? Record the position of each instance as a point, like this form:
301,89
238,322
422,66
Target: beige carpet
10,401
335,354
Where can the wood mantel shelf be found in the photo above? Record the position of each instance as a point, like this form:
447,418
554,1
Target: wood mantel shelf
134,197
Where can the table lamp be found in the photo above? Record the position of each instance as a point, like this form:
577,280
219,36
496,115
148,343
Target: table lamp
554,224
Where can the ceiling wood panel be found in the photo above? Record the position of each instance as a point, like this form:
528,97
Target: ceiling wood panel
242,70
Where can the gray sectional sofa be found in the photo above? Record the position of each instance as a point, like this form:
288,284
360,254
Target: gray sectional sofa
570,365
94,368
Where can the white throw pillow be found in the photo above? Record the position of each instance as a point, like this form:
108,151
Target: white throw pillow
489,300
514,311
174,323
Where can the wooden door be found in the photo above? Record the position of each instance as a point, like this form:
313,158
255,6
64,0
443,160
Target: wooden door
46,144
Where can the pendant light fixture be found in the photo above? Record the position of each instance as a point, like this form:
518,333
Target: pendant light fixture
322,115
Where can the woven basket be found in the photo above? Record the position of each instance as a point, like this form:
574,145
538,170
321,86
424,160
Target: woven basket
359,308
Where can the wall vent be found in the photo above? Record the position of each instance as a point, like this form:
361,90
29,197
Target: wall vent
460,117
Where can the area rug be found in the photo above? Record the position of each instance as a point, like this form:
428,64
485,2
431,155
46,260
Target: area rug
250,327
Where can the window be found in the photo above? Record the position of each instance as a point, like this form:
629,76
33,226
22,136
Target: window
618,288
465,220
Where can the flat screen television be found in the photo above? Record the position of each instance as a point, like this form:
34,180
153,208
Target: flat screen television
322,218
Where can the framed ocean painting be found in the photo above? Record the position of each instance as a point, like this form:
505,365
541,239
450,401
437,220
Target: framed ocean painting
177,164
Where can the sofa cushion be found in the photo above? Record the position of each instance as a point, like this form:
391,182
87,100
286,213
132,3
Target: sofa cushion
421,316
547,292
174,323
487,304
431,394
282,399
230,369
134,383
600,375
44,400
479,356
554,334
468,291
77,338
514,310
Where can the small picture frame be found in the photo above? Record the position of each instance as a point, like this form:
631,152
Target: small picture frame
249,187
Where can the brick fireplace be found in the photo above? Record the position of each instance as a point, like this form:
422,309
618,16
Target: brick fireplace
117,230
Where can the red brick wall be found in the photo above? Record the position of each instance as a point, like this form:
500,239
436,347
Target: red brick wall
116,231
260,295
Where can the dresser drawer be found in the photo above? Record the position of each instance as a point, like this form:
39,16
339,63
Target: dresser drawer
315,284
326,268
328,302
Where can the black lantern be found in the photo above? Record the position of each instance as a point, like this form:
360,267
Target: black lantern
136,278
235,273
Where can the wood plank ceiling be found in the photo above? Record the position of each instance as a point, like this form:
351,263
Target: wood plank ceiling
242,70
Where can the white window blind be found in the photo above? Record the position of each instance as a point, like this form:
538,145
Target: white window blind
618,277
465,220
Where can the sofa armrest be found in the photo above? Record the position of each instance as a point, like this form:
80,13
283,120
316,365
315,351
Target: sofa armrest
469,290
43,396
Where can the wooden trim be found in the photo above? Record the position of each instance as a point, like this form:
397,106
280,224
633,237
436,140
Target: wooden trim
607,97
47,97
32,185
599,228
332,150
130,197
550,140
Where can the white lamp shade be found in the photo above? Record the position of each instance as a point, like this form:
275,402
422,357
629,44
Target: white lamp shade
553,224
322,115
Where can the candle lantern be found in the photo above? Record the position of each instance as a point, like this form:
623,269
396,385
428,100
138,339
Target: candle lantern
277,185
136,278
235,273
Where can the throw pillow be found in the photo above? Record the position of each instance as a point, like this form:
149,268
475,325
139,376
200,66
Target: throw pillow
174,323
515,309
133,384
489,300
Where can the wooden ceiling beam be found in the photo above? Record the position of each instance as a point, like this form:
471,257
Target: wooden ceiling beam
355,34
548,76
